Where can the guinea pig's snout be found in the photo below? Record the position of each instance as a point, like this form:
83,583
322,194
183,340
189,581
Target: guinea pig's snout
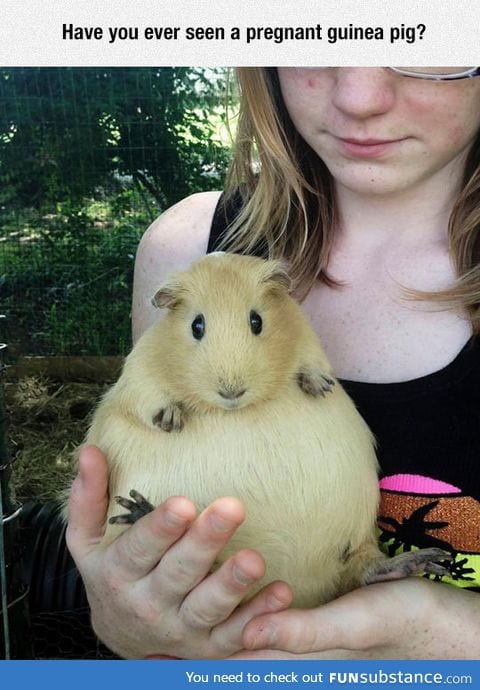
231,393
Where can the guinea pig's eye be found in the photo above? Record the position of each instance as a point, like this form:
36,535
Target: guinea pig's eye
256,322
198,327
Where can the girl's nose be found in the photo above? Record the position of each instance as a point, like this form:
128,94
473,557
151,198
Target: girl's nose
363,92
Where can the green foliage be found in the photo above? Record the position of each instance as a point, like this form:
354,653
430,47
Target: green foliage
66,285
88,158
65,131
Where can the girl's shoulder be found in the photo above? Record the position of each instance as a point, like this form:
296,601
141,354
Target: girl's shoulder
184,226
175,239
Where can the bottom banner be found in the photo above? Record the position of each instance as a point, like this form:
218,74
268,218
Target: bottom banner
254,675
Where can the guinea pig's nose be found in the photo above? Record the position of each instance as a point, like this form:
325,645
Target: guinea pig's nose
231,394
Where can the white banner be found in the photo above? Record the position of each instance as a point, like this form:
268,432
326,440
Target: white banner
238,32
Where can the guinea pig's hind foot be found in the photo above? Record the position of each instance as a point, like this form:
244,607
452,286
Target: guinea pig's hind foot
433,561
314,382
137,509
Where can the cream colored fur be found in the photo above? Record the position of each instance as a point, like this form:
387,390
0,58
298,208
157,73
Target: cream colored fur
303,466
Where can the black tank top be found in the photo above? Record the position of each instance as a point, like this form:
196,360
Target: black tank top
428,436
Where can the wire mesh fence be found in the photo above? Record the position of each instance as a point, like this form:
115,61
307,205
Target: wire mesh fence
88,158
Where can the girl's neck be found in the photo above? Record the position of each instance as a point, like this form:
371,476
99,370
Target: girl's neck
414,217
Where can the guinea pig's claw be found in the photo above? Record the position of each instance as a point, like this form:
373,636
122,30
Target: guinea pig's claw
137,508
432,561
315,382
170,417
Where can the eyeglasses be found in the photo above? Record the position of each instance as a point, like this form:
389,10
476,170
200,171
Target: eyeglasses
437,73
433,73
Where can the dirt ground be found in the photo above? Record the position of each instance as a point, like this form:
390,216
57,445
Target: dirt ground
46,421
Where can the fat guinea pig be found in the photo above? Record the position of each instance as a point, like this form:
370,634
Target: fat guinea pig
231,394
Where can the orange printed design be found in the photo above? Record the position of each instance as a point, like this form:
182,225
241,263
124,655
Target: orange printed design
411,520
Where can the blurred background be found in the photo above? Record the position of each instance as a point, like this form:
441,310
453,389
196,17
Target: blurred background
88,159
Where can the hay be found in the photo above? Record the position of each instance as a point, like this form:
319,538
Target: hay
46,421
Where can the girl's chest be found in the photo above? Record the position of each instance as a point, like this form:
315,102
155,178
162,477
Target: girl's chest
372,332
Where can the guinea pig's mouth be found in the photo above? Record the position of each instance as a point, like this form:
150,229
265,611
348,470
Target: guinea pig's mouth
232,399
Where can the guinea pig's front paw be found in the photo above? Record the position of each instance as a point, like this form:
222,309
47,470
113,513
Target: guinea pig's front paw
315,382
170,418
137,508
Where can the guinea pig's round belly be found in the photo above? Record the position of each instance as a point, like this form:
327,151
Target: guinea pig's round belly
304,468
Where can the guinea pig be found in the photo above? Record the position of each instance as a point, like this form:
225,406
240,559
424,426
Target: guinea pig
230,393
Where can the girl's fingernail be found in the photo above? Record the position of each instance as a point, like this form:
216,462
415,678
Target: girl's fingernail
274,603
241,577
173,519
220,524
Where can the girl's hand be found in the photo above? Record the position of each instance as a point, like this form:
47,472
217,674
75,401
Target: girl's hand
150,591
406,619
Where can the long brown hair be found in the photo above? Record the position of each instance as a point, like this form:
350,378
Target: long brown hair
289,203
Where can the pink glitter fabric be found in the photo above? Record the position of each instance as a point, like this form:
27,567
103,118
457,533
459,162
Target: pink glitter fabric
416,484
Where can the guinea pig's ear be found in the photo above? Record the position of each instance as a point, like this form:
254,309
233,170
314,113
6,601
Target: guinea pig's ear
168,296
277,276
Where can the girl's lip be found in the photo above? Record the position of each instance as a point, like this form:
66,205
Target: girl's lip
366,148
367,142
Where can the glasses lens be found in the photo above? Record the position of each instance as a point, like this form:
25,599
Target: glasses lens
435,71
